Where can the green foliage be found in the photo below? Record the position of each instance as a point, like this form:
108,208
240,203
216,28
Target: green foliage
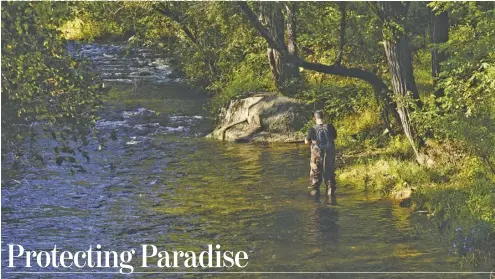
40,82
318,35
239,83
463,208
338,101
422,72
466,112
215,48
79,30
98,21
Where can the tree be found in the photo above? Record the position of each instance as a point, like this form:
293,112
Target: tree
338,69
171,11
465,113
284,73
44,91
343,22
392,15
439,33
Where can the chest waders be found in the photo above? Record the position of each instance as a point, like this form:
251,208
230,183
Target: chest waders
322,165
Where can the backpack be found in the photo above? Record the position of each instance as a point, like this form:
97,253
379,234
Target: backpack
322,137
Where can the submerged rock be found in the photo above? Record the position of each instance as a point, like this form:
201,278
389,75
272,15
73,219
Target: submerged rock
263,117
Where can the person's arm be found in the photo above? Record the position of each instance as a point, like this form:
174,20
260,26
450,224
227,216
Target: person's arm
309,137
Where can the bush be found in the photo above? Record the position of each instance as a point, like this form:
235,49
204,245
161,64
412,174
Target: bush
242,81
88,30
464,210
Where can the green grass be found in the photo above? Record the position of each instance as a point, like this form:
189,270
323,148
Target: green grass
386,174
457,192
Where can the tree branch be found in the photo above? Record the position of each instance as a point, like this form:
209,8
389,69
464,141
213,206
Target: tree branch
334,69
163,9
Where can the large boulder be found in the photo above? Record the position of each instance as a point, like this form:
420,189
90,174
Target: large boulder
263,117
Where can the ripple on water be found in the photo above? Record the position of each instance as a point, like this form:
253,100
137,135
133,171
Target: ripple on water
117,66
177,193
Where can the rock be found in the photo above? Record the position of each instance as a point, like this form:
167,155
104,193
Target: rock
145,73
139,113
263,117
425,160
402,193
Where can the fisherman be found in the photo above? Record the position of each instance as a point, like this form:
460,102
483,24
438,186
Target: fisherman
322,137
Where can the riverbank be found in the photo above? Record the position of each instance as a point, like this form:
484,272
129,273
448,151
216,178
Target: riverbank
456,193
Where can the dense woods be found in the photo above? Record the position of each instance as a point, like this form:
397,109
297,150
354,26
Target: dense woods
411,84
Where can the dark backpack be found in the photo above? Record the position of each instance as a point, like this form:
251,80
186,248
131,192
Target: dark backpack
322,136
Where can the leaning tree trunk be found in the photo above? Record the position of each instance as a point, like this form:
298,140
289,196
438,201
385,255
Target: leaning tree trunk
439,34
400,67
399,60
283,72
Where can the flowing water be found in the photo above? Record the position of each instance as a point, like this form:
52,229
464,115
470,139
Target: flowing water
156,180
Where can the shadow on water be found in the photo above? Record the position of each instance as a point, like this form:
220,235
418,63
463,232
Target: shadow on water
159,182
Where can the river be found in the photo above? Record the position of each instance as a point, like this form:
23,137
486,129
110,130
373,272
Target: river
156,180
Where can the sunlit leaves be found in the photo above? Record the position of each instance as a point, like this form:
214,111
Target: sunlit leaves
41,85
466,111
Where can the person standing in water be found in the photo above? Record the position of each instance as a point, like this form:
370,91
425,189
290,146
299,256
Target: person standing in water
321,137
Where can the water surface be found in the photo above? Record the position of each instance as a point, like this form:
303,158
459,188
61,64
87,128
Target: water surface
158,181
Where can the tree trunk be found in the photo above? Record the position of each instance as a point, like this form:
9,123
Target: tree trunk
399,58
294,78
273,62
291,8
439,34
343,22
283,72
400,67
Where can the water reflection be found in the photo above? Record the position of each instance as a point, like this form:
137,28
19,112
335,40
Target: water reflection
324,228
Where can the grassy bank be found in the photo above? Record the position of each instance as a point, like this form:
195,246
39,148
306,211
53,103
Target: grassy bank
456,193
